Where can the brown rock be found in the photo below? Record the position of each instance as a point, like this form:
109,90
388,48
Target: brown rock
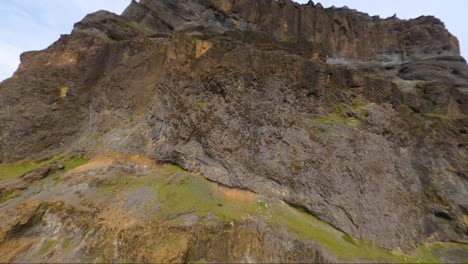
227,88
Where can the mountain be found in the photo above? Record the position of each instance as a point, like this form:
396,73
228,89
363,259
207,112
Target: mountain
237,131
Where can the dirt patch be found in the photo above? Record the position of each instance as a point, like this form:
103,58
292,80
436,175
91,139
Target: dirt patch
223,5
108,159
63,91
14,248
237,195
202,47
115,218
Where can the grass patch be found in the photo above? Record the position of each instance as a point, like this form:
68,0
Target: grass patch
173,169
179,193
17,170
361,109
349,239
6,196
74,162
343,246
57,178
69,164
436,116
9,172
47,246
195,194
67,244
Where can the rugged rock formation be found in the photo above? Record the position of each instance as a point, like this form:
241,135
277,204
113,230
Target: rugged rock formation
126,208
361,122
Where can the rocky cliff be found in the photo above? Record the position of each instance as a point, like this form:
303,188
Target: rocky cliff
360,122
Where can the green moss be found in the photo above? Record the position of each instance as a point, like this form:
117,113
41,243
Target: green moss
262,204
436,116
47,246
57,178
8,172
67,244
6,196
173,169
74,162
179,193
194,194
69,164
350,115
349,239
17,170
200,105
441,247
361,109
343,246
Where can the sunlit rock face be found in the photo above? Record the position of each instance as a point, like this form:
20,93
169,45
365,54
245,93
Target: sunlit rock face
359,121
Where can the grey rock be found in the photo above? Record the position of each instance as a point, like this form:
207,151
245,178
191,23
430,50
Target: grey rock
377,150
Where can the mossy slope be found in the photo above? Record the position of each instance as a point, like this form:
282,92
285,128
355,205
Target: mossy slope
16,170
180,193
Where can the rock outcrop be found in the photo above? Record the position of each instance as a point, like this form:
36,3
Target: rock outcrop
360,121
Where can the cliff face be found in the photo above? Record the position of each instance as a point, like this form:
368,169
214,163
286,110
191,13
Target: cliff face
361,122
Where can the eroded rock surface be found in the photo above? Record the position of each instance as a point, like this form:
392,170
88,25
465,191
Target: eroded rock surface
358,120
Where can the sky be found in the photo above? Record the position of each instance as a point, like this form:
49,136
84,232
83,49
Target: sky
35,24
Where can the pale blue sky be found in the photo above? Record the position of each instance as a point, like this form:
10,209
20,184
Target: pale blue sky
35,24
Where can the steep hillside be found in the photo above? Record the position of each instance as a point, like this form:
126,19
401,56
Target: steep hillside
306,134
